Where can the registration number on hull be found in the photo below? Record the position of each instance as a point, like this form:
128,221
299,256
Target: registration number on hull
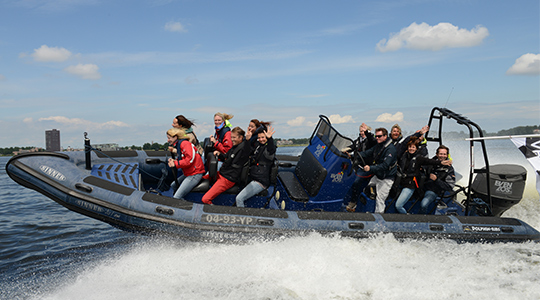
236,220
226,219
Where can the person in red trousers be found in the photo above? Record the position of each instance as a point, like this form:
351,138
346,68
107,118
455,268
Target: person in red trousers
233,162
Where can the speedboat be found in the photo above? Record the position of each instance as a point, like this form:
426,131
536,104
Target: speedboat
129,190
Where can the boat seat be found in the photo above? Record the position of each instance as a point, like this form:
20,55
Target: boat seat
211,165
293,187
310,172
307,179
204,185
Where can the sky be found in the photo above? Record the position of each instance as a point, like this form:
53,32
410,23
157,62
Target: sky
122,70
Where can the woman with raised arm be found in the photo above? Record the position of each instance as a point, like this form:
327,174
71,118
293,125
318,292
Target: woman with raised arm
409,167
261,160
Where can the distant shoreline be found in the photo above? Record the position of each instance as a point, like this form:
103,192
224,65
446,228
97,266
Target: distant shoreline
294,145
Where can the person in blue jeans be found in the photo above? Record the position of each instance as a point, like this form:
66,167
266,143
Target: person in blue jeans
441,179
409,171
187,159
381,166
261,160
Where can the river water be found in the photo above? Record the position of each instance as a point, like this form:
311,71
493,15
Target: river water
49,252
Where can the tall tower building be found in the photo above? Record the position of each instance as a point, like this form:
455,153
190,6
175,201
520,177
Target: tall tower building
52,140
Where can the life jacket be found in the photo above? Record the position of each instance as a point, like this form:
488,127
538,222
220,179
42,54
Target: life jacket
193,147
220,134
261,162
234,162
407,171
176,145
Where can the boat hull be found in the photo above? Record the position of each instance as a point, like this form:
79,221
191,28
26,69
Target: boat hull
63,178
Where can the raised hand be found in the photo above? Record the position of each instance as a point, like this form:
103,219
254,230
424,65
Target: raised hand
363,127
269,132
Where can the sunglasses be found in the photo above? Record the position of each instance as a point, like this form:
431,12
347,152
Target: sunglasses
379,136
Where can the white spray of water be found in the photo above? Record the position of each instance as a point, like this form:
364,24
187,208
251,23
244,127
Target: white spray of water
316,267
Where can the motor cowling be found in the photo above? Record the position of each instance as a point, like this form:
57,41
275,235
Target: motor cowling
506,183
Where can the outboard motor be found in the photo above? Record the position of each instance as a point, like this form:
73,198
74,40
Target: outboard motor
507,183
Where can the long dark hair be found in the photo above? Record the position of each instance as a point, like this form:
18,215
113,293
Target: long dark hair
184,122
260,126
413,141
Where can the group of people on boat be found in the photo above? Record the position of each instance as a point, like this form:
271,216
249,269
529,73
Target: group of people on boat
392,162
232,146
388,162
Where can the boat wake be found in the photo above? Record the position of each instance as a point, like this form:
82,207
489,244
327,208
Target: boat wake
311,267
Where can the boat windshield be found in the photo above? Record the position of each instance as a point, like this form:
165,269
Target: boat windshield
336,142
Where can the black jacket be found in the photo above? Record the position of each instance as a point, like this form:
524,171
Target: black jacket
383,159
366,143
234,160
261,160
410,168
446,179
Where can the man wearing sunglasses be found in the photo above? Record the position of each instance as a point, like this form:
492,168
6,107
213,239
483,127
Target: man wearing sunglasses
383,168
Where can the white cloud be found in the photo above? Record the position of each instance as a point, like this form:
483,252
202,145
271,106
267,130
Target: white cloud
389,118
298,121
54,54
65,120
426,37
81,123
337,119
175,27
527,64
113,124
88,71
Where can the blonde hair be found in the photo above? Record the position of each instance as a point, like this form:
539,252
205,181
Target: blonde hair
396,126
177,132
368,128
225,117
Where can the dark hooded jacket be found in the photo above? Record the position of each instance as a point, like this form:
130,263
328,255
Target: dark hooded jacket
383,159
261,160
234,160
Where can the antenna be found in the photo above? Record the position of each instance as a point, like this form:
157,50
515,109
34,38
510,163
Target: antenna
449,97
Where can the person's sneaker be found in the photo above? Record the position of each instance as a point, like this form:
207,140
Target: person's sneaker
351,207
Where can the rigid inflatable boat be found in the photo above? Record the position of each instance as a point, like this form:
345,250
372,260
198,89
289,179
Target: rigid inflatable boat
308,194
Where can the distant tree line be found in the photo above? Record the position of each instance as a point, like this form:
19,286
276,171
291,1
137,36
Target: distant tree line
10,150
148,146
155,146
301,141
133,147
519,130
